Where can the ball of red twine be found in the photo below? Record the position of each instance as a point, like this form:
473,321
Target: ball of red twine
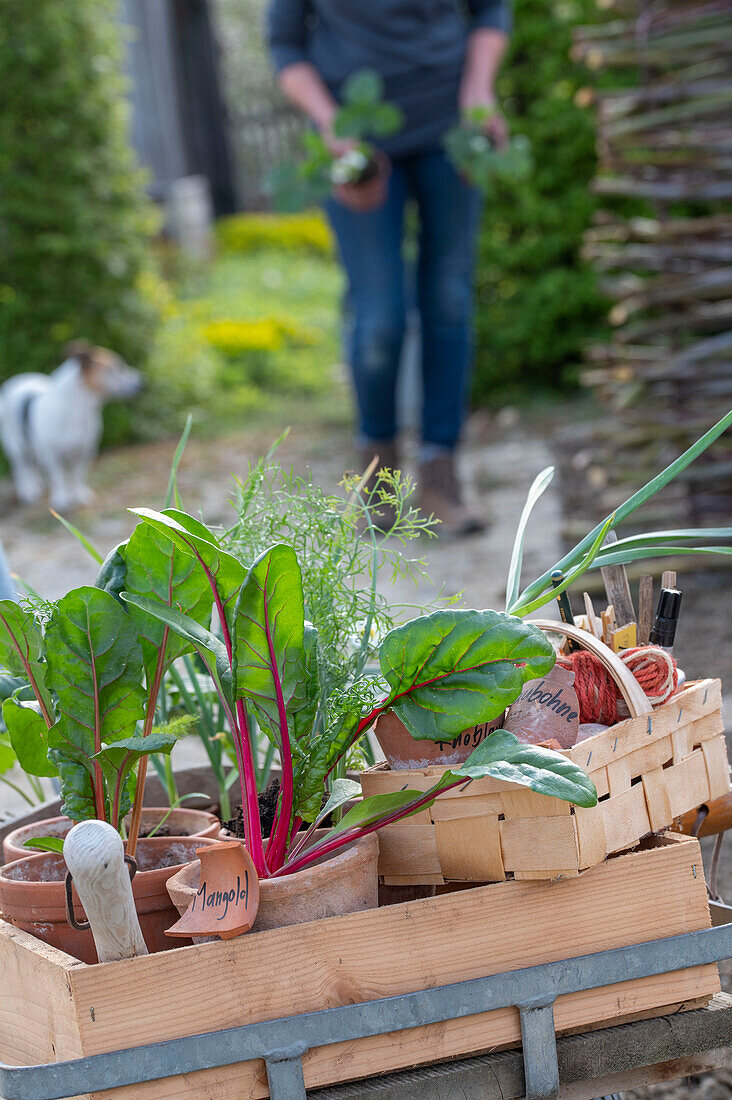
599,696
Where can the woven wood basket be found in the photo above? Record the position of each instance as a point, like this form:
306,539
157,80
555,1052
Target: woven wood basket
648,770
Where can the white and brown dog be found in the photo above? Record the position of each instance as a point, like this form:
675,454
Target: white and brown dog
50,424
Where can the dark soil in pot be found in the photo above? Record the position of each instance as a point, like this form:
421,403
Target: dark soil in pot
32,895
235,826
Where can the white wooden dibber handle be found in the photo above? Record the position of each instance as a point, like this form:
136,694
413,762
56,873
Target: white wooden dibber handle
630,689
95,856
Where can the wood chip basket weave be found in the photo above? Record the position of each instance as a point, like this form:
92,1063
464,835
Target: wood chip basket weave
648,770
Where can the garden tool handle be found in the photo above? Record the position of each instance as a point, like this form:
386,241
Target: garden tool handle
95,857
633,694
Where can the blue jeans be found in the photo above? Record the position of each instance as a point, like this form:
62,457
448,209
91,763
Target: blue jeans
370,246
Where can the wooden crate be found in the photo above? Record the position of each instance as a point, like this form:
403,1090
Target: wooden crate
647,771
54,1007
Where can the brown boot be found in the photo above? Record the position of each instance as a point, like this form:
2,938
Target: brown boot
383,515
440,496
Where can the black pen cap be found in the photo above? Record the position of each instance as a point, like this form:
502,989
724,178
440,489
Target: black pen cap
667,616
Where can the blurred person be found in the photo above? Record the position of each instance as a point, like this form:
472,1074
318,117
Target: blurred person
437,58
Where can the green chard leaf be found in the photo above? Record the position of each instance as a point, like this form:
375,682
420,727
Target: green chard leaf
118,759
269,637
503,756
210,649
21,650
194,539
45,843
95,669
28,734
158,570
377,807
454,669
111,576
308,745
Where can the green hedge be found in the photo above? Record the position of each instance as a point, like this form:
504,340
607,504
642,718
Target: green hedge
74,220
537,302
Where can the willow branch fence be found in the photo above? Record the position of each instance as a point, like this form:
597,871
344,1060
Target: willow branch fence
665,154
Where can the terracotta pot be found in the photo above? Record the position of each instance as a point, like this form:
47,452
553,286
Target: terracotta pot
369,195
33,897
345,882
182,822
404,752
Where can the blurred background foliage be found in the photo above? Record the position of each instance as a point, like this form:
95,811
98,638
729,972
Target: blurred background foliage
537,301
75,224
81,254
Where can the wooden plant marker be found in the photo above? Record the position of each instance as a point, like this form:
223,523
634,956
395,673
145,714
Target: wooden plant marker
228,898
668,579
608,624
617,588
593,620
645,608
624,638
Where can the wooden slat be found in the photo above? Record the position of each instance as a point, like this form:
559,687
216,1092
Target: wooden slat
530,804
718,772
383,953
409,850
408,880
619,776
468,804
558,847
626,819
657,799
684,781
650,757
591,835
707,727
681,742
37,1023
470,849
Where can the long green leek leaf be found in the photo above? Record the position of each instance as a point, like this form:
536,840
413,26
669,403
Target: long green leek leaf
664,550
541,482
630,505
523,608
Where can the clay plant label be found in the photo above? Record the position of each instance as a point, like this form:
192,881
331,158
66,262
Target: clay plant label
227,899
546,710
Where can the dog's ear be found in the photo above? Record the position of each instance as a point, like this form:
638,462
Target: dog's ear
81,350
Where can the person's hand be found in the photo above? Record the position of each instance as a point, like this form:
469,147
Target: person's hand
495,126
338,146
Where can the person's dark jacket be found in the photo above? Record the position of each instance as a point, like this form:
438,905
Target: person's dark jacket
418,46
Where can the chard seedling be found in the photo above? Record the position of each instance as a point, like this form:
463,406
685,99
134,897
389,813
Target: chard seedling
476,156
440,674
362,116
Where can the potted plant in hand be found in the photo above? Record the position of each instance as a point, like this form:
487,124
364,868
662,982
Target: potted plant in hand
478,159
357,175
439,673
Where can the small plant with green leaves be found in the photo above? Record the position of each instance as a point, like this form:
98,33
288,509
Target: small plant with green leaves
364,115
439,673
477,157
